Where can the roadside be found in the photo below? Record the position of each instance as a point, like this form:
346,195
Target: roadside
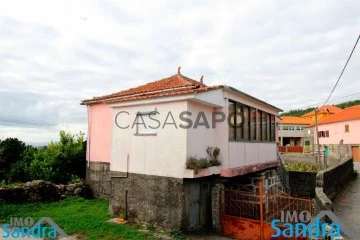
346,205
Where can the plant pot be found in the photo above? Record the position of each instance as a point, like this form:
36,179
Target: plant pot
121,219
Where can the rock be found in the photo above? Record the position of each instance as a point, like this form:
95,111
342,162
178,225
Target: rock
78,191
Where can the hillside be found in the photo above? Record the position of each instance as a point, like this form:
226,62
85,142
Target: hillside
300,112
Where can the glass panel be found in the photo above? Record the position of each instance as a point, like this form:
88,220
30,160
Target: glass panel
258,125
263,126
231,110
268,137
273,128
246,123
253,124
239,122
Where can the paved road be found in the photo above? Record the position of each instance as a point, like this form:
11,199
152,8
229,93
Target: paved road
347,204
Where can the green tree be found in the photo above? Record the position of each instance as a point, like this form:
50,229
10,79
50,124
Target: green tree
11,150
61,161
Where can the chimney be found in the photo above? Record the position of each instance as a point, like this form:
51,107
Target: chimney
201,80
179,70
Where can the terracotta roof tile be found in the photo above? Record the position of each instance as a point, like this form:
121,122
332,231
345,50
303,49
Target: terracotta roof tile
324,109
174,85
347,114
295,120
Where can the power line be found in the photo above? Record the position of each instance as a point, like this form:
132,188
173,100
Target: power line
316,104
342,71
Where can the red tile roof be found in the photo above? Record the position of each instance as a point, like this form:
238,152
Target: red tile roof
171,86
324,109
295,120
347,114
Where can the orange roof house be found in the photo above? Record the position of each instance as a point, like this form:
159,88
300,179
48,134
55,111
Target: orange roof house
175,85
295,120
342,129
347,114
322,112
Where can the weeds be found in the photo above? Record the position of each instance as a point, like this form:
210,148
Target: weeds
177,234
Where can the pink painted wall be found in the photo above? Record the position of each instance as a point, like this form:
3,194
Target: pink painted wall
99,133
337,132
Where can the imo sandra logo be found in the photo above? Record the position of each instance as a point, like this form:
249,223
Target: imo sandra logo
22,228
289,225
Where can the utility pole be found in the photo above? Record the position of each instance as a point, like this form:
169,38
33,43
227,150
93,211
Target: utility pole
318,158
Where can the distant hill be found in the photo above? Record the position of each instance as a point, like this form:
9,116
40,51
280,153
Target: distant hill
300,112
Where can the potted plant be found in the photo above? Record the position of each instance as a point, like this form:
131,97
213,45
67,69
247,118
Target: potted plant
121,217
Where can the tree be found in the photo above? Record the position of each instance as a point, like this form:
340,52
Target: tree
61,161
11,150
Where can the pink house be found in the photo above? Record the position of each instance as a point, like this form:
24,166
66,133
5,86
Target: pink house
139,141
340,133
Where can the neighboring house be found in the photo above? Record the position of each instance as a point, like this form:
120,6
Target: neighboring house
340,133
323,112
141,168
292,132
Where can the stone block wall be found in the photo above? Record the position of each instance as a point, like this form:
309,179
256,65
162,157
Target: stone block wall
335,178
302,184
98,178
43,191
329,183
152,199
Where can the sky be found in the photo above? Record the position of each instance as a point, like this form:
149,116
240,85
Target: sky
53,54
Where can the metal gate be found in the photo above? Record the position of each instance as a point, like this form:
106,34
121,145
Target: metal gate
247,215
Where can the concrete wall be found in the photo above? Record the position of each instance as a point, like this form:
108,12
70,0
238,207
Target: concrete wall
163,154
198,139
99,133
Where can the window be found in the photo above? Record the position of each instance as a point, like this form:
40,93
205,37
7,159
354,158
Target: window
263,126
272,128
145,123
231,123
246,123
268,130
258,125
323,134
347,128
252,124
239,122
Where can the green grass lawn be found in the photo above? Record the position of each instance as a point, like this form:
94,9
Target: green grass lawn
75,216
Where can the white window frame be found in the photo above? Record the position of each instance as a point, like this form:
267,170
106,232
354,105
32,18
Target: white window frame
147,129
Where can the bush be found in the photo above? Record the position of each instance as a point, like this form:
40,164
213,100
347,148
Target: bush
59,162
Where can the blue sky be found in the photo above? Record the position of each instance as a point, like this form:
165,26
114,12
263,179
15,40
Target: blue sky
55,53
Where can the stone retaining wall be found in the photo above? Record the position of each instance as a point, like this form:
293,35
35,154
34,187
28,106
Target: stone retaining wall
39,190
329,183
302,184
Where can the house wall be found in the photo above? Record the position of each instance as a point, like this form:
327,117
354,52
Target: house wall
199,138
99,133
337,132
161,155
